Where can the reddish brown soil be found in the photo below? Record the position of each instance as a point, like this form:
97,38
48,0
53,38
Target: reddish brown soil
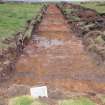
58,59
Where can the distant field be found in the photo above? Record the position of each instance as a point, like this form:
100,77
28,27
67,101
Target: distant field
13,17
99,7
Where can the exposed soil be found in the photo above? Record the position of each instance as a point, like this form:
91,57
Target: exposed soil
14,48
89,26
56,57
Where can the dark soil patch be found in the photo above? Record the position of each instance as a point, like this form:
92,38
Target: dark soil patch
88,25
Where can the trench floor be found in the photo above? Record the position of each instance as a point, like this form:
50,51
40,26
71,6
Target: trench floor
56,57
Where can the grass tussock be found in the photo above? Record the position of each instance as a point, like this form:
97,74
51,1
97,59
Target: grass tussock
77,101
95,5
25,100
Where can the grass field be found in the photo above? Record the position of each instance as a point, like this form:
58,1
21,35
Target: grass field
14,16
77,101
99,7
25,100
28,100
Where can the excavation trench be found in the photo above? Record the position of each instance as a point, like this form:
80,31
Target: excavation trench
56,57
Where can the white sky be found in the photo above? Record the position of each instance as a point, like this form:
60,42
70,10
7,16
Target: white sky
55,0
73,0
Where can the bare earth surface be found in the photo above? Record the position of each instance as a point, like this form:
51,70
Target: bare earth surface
56,57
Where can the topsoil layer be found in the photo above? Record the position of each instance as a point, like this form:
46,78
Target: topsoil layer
56,57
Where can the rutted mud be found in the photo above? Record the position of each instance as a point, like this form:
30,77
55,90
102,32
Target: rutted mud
56,57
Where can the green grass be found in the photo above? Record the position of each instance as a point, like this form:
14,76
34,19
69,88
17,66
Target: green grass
14,16
36,102
68,10
77,101
95,6
22,100
25,100
28,100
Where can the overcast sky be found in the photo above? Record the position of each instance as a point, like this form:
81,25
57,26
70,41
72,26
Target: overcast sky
73,0
55,0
